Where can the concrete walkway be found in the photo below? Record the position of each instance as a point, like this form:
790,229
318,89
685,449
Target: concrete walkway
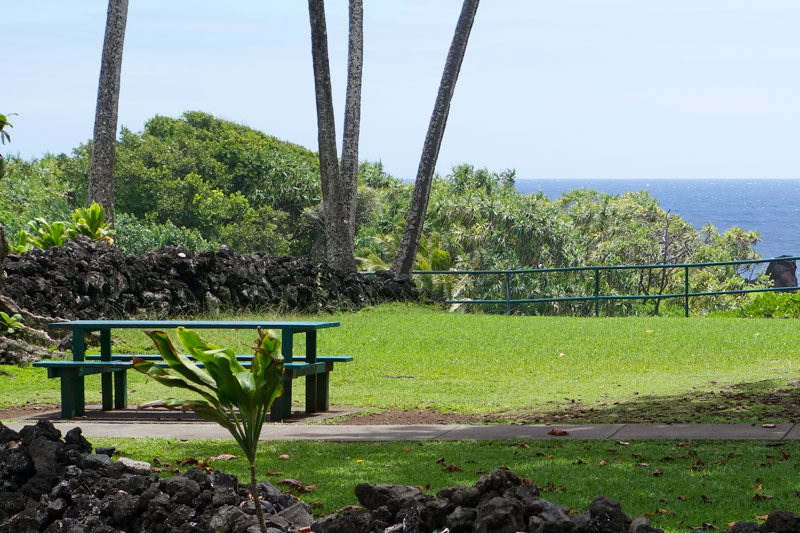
305,431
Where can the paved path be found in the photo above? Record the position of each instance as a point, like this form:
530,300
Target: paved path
295,431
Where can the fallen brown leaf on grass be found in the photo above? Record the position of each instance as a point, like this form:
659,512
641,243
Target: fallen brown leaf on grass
551,487
758,497
762,517
452,468
657,472
222,457
283,457
603,462
274,474
681,497
188,461
294,484
706,499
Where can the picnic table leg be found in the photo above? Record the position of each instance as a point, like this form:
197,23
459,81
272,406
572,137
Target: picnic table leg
312,404
72,387
106,379
72,401
120,389
322,400
282,407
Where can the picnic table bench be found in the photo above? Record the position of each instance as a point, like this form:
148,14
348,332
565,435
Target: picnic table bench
114,367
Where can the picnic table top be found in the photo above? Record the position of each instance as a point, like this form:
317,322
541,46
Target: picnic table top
196,324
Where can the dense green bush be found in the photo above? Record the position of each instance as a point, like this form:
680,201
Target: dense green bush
136,236
30,190
769,305
232,184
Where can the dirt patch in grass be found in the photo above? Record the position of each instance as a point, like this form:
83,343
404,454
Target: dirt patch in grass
757,402
26,411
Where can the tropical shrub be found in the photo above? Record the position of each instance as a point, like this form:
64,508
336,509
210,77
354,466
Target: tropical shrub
230,395
10,325
87,221
770,305
33,189
206,174
136,236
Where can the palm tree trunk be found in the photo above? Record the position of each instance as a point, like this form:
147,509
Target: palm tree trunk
256,498
404,260
340,252
352,116
101,174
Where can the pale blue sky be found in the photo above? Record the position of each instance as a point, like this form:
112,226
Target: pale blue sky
555,89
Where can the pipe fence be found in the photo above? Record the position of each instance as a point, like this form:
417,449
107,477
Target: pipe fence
598,297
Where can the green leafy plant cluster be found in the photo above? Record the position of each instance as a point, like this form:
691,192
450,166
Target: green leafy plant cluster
10,325
230,395
232,184
86,221
769,305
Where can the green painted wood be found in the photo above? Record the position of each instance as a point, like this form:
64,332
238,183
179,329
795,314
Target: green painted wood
282,407
114,379
156,357
99,325
322,393
120,389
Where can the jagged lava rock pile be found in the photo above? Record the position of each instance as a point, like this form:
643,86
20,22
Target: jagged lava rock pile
57,485
54,485
89,280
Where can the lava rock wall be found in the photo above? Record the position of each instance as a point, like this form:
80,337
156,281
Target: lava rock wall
87,280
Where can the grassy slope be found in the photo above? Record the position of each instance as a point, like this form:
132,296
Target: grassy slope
413,357
725,472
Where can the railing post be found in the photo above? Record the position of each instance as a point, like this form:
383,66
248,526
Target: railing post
596,292
686,291
508,294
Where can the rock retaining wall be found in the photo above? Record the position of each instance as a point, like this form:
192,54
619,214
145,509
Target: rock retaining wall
87,280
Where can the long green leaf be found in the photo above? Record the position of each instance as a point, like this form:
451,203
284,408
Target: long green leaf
160,375
178,362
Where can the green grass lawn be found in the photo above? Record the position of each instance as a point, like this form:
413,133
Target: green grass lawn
667,479
499,368
531,368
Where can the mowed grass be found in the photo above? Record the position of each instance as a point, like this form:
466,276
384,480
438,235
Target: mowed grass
682,485
496,367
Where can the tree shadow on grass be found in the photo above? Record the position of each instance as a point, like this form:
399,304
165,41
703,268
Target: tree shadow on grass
763,401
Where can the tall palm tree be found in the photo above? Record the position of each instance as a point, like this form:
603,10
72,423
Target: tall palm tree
339,185
352,116
404,260
101,174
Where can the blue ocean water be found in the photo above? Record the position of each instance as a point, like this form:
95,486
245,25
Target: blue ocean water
769,206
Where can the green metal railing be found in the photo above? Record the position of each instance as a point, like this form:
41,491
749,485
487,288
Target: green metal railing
597,297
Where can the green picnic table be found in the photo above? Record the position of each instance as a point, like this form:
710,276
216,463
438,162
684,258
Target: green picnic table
113,367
